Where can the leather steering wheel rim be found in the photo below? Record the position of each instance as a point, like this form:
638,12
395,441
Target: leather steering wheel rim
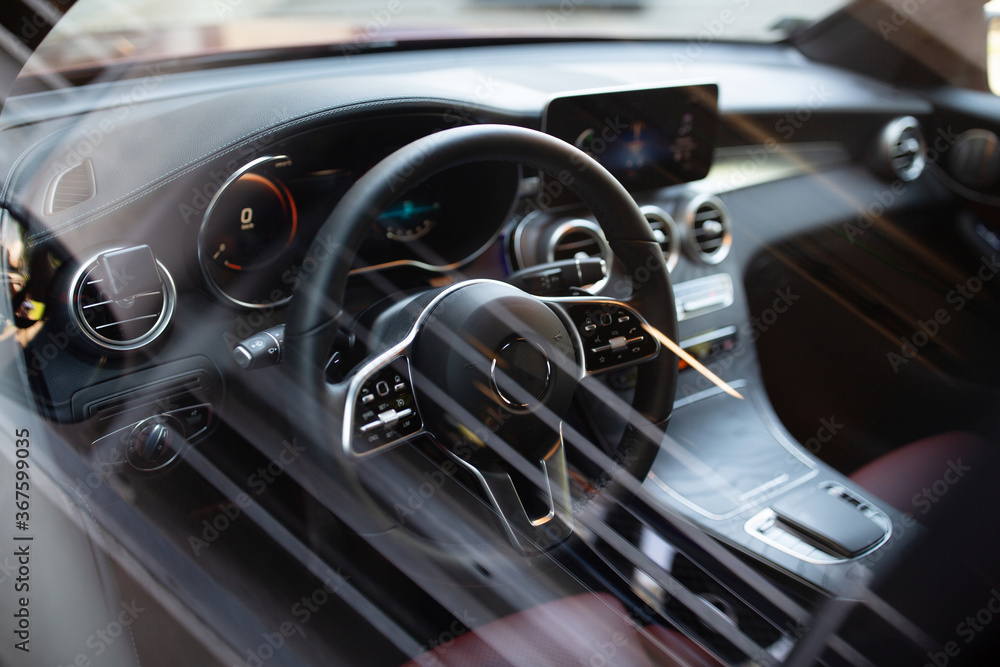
316,312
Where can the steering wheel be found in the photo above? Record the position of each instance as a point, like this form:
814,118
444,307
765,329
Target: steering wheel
488,371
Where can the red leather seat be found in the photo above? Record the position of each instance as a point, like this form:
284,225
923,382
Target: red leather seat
583,630
914,477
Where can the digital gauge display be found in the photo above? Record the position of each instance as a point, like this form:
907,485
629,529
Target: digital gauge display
647,139
412,217
247,234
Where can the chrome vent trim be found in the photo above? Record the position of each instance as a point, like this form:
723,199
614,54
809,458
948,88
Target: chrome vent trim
73,185
667,233
709,230
573,237
125,324
903,148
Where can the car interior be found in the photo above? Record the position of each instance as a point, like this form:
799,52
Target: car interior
515,349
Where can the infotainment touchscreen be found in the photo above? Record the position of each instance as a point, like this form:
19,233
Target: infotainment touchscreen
648,139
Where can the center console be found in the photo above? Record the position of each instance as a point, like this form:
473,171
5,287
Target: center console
730,467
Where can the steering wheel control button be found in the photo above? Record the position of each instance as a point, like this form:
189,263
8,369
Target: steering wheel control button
385,411
612,335
520,373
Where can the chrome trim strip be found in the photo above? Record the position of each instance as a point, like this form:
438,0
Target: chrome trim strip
755,525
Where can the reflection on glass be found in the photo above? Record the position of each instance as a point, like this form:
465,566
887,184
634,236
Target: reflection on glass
28,310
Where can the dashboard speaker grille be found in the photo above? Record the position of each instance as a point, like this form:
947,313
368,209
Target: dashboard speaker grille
125,321
70,187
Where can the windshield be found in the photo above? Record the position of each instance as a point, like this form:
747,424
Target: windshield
96,32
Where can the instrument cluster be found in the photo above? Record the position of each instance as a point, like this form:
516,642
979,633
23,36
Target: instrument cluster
256,232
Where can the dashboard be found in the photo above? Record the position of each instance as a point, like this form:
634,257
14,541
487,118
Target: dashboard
151,241
214,222
213,227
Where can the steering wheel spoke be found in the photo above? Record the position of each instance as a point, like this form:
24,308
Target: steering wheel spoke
612,334
532,501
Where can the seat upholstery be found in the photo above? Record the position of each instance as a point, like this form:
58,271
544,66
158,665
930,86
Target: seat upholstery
906,477
588,629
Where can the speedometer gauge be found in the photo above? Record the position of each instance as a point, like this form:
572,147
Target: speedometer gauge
248,229
255,222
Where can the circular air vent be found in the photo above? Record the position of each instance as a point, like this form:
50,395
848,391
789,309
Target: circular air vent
666,233
126,320
578,238
974,160
903,148
708,229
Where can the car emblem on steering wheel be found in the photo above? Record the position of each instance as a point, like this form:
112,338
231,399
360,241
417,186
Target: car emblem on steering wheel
520,373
